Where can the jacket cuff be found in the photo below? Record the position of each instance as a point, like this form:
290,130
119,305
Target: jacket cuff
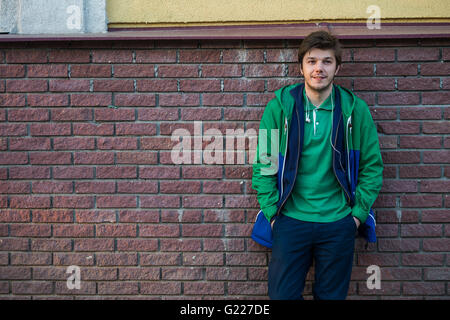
269,212
360,213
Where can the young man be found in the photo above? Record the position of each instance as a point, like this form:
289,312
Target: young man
328,175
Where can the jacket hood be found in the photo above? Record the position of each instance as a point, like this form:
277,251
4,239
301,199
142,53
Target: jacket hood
286,100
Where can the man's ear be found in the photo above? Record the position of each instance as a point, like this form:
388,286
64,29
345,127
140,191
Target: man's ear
337,69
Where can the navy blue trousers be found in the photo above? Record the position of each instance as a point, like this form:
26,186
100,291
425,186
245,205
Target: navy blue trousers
296,244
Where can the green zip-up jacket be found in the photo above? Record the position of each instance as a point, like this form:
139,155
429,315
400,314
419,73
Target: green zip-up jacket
357,161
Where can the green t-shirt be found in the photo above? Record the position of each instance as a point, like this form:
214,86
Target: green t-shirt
317,194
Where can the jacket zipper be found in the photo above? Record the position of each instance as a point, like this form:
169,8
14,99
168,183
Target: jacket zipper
334,168
296,166
348,150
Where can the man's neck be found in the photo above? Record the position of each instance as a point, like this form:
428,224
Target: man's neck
317,97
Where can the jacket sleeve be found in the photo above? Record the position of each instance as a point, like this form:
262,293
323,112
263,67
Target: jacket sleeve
265,163
370,172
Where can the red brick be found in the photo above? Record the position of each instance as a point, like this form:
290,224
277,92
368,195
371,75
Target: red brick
116,201
422,259
15,273
199,56
116,172
243,85
161,288
38,230
90,99
375,84
181,245
159,172
204,288
419,84
94,245
373,54
26,56
72,114
243,56
51,216
157,114
180,186
93,158
28,144
420,171
32,287
436,156
160,230
95,216
420,142
137,245
12,100
12,71
31,259
427,113
90,71
116,143
221,71
138,100
421,201
136,129
160,201
71,143
398,98
178,71
47,100
400,157
26,85
422,288
13,129
29,202
94,187
73,202
50,157
134,71
50,129
68,55
14,244
440,127
177,99
156,56
69,85
47,70
417,54
264,70
73,172
156,85
190,114
87,129
112,56
138,157
52,187
435,69
202,202
133,273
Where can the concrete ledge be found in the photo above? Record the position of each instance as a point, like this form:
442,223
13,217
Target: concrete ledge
343,31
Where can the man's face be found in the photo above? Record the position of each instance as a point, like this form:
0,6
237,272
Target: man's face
319,68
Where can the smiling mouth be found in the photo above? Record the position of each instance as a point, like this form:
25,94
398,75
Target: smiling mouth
319,78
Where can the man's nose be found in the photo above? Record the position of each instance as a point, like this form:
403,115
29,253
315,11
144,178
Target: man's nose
318,66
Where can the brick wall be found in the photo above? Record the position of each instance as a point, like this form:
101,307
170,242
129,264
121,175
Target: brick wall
87,179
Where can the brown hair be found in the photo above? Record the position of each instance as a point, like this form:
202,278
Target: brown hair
321,40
